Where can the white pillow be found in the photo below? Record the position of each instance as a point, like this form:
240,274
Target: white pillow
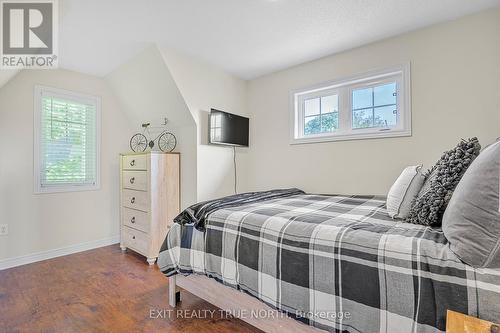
403,191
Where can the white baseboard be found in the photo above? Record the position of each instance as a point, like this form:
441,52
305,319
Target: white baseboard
63,251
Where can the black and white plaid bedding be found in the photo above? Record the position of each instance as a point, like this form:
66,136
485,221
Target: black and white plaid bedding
338,263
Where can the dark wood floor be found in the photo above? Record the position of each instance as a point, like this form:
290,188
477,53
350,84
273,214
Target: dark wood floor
102,290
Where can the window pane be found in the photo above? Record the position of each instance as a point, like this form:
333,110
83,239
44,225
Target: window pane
385,94
374,117
68,142
311,107
312,125
329,104
329,122
362,118
362,98
386,116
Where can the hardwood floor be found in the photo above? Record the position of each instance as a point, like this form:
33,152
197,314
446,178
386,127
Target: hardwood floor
102,290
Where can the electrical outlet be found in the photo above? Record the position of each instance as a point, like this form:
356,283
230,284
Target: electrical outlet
4,229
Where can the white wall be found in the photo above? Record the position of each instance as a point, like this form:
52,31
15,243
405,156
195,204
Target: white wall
40,222
162,82
6,75
455,82
148,93
204,87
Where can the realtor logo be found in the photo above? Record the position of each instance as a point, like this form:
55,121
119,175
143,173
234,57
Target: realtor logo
28,34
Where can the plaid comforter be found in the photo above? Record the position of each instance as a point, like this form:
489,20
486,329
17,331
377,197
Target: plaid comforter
338,263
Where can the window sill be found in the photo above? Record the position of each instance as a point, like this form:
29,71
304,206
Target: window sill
350,136
67,188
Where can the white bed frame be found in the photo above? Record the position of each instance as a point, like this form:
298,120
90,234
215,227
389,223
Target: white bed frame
235,302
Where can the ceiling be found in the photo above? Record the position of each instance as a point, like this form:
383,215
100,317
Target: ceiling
247,38
6,75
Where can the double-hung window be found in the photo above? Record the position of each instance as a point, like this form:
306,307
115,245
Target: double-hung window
66,141
372,105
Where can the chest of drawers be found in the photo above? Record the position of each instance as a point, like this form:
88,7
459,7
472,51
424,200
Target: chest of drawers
149,200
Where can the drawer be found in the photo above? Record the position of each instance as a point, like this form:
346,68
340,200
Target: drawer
135,162
135,180
135,199
135,219
136,240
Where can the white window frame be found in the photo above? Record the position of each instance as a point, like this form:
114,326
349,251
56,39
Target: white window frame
343,88
39,91
311,95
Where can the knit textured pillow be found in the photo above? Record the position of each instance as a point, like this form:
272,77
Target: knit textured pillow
442,178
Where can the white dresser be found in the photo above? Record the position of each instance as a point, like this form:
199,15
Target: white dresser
149,200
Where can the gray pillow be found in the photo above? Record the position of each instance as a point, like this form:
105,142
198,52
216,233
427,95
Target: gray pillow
403,191
471,223
429,205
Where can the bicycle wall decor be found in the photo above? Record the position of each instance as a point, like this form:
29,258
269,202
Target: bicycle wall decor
165,140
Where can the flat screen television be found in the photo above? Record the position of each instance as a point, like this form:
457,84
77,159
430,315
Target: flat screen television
227,129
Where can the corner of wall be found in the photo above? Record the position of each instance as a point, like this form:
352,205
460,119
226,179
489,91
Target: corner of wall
203,87
148,92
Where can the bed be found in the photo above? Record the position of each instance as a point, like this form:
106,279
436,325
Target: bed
334,263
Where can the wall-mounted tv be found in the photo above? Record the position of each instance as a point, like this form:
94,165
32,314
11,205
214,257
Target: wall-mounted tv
228,129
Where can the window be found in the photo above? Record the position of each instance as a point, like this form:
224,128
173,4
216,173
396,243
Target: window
321,114
67,136
373,105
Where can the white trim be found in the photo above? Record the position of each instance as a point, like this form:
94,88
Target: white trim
63,251
39,91
346,137
345,132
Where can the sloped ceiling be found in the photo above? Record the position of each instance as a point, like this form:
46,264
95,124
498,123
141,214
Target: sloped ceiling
148,92
6,75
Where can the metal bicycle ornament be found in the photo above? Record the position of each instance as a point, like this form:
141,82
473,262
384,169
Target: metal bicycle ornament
165,140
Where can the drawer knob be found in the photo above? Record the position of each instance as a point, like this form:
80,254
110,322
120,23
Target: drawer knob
132,200
132,180
132,219
133,237
132,163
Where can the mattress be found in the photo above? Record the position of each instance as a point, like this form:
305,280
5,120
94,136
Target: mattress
338,263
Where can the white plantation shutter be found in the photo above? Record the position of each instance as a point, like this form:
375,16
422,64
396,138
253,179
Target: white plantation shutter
68,141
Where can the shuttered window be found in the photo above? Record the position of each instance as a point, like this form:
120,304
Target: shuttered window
66,140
